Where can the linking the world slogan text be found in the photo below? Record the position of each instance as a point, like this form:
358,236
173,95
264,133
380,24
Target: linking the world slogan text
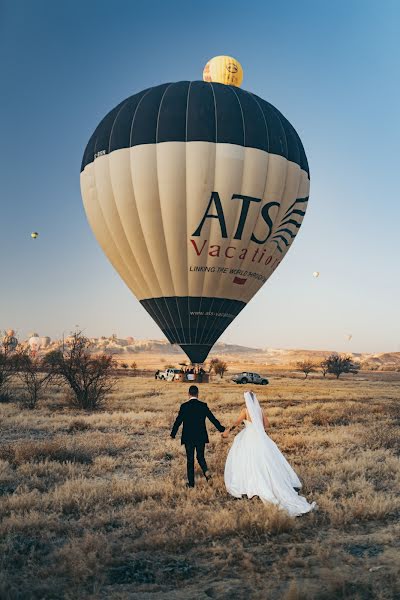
228,271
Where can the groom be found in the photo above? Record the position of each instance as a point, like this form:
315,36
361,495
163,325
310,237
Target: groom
193,414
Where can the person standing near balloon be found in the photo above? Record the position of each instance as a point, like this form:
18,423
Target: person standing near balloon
256,467
193,414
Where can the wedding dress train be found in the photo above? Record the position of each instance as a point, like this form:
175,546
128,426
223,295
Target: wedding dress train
256,467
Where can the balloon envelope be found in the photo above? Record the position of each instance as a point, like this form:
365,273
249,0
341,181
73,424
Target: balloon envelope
195,191
45,341
316,274
9,340
34,343
223,69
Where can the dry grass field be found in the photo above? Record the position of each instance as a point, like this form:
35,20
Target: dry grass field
94,505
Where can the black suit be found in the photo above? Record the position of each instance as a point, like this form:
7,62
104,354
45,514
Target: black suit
193,415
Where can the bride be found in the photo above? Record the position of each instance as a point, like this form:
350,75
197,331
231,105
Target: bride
256,467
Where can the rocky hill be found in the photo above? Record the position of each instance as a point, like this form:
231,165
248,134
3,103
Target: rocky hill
160,351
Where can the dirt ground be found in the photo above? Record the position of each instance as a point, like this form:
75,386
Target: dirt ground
95,505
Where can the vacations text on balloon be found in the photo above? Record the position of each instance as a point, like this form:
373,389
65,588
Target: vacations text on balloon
230,251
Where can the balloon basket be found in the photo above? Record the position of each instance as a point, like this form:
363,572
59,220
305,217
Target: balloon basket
192,378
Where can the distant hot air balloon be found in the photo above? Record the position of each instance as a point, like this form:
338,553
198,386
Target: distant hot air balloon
34,343
316,274
45,341
195,191
223,69
9,340
349,336
34,235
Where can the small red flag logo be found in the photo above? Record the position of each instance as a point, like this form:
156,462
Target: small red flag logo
239,280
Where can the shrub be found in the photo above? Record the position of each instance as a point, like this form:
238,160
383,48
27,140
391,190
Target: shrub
5,397
338,364
381,437
41,450
90,378
78,425
324,366
134,368
306,366
7,369
31,371
220,368
213,362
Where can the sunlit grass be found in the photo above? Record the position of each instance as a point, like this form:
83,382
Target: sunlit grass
94,505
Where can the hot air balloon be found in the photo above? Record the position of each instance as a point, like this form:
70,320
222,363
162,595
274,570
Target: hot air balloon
316,274
223,69
34,343
10,341
195,191
349,336
45,341
34,235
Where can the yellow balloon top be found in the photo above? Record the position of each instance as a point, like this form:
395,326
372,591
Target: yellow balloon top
224,69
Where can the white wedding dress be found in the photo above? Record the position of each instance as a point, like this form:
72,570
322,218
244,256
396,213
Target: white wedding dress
256,467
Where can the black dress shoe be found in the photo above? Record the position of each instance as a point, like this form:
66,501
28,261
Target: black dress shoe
297,489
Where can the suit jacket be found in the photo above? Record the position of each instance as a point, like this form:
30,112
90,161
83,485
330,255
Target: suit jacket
193,415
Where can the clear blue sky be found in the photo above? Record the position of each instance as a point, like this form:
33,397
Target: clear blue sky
332,68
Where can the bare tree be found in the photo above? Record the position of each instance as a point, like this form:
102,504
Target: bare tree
338,364
324,366
7,369
31,371
213,362
220,368
134,367
306,366
90,377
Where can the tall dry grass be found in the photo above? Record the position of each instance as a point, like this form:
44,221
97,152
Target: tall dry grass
94,505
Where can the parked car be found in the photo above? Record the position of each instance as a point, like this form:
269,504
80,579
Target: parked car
168,374
247,377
